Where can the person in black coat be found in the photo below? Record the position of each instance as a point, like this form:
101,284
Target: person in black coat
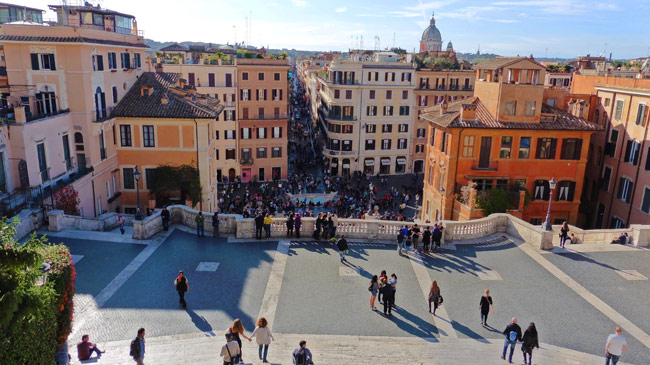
389,297
290,225
259,225
182,286
165,218
530,341
484,306
426,240
342,245
215,224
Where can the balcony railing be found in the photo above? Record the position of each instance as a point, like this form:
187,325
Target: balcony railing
327,151
345,119
104,115
468,88
491,166
246,161
264,117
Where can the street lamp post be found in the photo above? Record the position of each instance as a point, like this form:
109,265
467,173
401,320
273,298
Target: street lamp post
136,175
547,225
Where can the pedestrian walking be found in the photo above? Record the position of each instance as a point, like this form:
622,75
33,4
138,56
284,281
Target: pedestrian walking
85,348
230,351
120,222
164,215
263,337
200,221
616,344
267,225
215,224
297,222
302,355
137,348
393,284
564,233
434,296
259,225
529,341
342,245
513,334
373,289
400,242
415,236
426,240
182,286
289,223
387,293
486,306
236,330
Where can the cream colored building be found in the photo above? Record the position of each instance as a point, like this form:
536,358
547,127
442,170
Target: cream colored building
365,107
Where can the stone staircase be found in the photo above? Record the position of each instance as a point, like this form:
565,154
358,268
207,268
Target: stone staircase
204,348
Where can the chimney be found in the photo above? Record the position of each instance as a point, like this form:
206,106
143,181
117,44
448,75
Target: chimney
164,99
181,83
443,106
468,112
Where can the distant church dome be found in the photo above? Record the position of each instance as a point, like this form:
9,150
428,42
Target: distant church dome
449,46
431,38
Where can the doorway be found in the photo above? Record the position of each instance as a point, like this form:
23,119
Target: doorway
231,175
484,158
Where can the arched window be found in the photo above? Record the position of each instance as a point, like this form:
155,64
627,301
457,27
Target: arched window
78,138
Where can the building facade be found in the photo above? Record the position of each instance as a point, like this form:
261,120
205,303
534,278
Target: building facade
61,84
504,136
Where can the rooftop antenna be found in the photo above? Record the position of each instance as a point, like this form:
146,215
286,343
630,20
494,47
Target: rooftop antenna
393,39
361,42
377,45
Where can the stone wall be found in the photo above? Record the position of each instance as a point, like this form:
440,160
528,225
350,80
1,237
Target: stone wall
181,214
639,235
28,221
59,221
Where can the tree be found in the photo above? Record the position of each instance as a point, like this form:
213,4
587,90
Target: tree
67,199
493,201
171,180
398,50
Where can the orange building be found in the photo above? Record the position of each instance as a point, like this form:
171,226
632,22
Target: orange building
263,118
504,134
160,122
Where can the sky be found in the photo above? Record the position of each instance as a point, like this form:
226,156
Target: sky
544,28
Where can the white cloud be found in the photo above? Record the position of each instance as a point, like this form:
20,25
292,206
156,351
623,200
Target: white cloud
300,3
404,14
506,21
607,6
341,10
522,15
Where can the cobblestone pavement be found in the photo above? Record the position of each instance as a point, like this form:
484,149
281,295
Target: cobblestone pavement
319,296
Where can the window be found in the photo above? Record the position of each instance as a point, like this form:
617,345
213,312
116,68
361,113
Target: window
371,128
385,144
244,76
370,144
149,176
136,60
148,136
372,94
335,144
388,110
483,184
277,132
276,76
347,145
371,110
114,94
625,186
66,158
45,103
618,113
565,190
44,61
230,154
216,134
260,76
571,149
546,148
551,102
245,133
405,94
530,109
125,135
387,128
216,155
403,127
610,147
112,60
348,94
211,82
419,148
125,58
645,204
102,146
261,152
511,107
468,146
616,223
604,182
443,143
389,94
337,94
541,191
347,129
506,147
276,152
98,62
127,176
348,113
401,143
632,151
640,114
403,110
400,165
261,133
421,132
229,134
432,142
647,160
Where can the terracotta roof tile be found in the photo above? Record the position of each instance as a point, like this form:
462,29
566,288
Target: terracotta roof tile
499,62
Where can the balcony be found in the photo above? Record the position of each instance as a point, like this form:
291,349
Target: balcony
246,161
265,117
229,103
468,88
103,115
492,166
338,153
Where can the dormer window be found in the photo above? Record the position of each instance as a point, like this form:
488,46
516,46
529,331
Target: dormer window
146,90
511,107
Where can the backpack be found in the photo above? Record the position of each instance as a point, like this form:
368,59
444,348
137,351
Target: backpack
233,359
512,336
134,348
300,358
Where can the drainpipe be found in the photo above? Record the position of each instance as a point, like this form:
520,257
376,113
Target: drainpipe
638,169
198,166
453,201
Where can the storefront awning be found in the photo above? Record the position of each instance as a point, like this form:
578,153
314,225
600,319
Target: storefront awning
401,161
334,164
370,162
346,165
385,161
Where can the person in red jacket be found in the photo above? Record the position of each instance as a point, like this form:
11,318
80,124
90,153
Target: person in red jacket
85,348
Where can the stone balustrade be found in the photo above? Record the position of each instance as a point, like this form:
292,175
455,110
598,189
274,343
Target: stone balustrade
363,229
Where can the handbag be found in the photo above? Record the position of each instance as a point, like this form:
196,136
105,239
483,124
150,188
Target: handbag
440,300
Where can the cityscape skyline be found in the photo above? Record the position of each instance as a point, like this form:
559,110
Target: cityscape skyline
555,28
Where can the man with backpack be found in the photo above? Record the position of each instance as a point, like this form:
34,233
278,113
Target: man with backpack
137,348
342,245
182,286
513,334
230,351
302,355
